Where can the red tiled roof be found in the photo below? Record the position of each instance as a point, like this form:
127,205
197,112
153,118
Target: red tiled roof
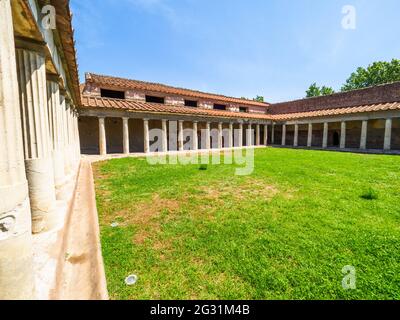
338,111
121,83
136,106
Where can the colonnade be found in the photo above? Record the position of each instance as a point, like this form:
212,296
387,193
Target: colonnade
253,136
343,134
39,154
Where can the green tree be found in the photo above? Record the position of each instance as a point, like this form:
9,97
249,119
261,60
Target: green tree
326,91
380,72
316,91
259,99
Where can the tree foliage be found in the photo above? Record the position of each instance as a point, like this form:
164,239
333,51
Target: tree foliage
380,72
377,73
259,99
316,91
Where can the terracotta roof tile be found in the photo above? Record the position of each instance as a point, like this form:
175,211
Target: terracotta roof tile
135,106
122,83
338,111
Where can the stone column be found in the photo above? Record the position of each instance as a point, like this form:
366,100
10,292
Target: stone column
164,135
325,136
364,132
195,137
240,138
180,136
208,135
16,272
258,135
102,136
125,133
296,135
284,135
343,135
63,109
309,138
220,136
55,123
388,135
36,136
146,136
249,136
273,134
76,137
266,135
230,138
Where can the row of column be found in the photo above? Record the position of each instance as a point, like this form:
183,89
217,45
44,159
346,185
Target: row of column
39,144
363,138
195,146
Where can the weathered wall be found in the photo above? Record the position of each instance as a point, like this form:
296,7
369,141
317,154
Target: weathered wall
376,134
353,134
303,135
114,135
89,135
396,134
378,94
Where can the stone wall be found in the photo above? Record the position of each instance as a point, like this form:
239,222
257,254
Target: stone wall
378,94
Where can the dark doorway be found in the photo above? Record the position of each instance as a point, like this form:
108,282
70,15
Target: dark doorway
336,139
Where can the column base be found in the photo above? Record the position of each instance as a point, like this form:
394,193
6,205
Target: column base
42,194
16,272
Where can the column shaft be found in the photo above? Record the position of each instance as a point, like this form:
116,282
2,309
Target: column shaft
240,137
230,138
296,135
220,136
195,137
164,136
388,135
180,136
249,136
309,138
284,135
125,129
16,272
55,124
364,132
208,135
343,135
325,136
36,136
258,135
102,137
146,136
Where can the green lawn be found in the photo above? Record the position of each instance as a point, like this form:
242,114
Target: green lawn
285,232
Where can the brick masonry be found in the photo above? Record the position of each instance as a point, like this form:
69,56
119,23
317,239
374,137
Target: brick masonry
368,96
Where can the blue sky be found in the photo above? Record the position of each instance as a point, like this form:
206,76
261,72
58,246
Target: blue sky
273,48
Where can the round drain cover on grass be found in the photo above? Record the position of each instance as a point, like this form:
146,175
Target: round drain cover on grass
131,280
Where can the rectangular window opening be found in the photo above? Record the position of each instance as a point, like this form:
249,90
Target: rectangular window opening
114,94
153,99
219,107
191,103
243,109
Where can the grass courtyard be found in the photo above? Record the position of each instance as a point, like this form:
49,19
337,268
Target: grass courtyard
284,232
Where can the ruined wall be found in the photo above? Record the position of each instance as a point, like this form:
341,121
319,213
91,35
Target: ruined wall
89,135
378,94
